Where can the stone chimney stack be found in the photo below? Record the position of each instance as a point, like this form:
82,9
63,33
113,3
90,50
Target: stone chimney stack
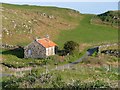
47,36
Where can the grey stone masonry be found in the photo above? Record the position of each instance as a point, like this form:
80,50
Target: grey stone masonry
34,50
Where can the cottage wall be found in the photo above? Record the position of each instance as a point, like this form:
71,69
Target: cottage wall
34,50
50,51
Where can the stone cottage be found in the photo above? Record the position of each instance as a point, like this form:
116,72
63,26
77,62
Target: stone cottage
40,48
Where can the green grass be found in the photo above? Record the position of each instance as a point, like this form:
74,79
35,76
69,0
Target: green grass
81,73
88,33
80,30
15,59
19,20
85,32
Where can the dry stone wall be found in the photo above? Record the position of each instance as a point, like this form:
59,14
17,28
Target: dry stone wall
107,46
7,46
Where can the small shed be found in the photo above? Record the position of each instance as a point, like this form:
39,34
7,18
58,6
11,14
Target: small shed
40,48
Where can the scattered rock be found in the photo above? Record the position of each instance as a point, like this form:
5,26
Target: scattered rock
48,16
51,17
7,33
43,14
35,20
29,22
15,25
13,21
5,17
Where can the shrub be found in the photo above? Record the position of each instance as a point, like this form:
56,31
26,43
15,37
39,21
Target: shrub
71,47
58,82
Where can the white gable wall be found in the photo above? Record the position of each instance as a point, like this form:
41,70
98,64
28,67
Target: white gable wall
50,51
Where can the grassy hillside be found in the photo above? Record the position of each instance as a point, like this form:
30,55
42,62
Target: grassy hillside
108,18
89,33
22,23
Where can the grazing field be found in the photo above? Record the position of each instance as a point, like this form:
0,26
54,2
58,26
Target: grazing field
86,32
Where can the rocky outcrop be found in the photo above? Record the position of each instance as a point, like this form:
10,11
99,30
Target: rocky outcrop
111,52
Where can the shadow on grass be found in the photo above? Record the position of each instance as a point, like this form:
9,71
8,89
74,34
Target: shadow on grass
19,52
62,53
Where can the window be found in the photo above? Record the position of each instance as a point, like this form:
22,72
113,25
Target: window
29,52
50,51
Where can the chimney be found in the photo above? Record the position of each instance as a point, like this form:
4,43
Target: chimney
47,36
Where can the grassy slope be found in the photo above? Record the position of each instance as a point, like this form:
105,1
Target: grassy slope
31,18
89,33
74,26
110,18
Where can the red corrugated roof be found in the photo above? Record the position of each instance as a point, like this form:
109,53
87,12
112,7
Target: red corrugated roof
46,42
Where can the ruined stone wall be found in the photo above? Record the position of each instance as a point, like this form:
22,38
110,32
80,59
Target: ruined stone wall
108,46
7,46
